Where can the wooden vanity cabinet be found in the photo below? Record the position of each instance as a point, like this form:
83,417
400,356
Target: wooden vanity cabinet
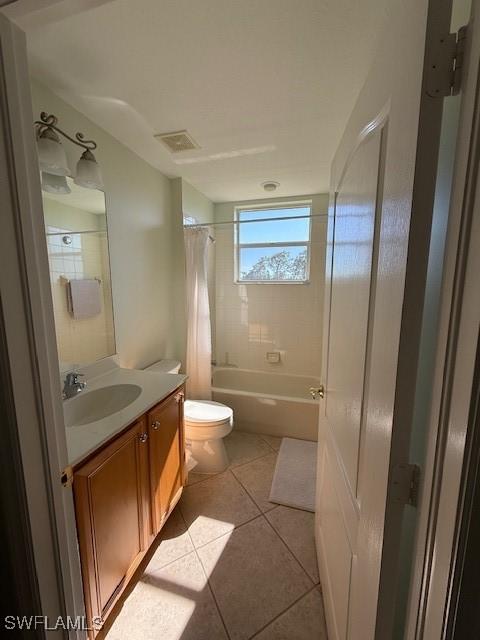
166,456
123,494
112,510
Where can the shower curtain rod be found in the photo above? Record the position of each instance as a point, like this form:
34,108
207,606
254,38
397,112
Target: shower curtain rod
214,224
74,233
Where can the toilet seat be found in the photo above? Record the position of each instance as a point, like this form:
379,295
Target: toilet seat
206,420
202,413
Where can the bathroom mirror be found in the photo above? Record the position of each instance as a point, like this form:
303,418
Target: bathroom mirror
77,242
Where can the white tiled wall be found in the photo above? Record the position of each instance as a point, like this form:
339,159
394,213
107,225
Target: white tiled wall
79,341
252,319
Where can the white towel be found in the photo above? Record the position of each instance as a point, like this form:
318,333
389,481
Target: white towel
84,298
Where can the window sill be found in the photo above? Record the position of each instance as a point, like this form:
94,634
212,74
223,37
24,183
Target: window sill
295,282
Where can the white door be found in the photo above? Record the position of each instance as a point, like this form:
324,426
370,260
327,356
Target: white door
381,200
352,268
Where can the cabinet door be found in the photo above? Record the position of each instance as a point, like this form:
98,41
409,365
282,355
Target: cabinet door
166,451
111,502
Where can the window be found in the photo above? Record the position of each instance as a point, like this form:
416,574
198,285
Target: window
273,244
189,220
65,257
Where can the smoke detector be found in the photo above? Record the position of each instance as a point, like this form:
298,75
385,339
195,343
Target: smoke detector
270,185
177,141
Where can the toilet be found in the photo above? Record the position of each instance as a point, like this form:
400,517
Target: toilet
206,424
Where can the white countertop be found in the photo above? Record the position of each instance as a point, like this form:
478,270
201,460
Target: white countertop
84,439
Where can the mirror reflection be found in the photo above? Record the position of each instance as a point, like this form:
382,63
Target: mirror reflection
77,242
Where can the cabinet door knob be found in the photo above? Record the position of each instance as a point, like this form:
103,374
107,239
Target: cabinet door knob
156,425
180,397
143,437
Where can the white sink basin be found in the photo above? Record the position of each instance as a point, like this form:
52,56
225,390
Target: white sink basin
90,406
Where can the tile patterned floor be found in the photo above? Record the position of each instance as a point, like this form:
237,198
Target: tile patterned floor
230,565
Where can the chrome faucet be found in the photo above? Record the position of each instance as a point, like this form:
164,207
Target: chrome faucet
72,386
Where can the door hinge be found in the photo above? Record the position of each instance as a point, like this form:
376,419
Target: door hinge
405,483
66,477
444,70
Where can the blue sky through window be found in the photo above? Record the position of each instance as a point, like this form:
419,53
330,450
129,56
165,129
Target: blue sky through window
277,230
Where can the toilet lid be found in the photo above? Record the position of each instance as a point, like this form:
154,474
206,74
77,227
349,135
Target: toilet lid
202,411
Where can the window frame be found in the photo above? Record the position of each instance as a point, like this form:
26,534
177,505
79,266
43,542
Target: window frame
258,245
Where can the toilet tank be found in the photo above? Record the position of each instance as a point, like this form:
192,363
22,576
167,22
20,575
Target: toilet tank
165,366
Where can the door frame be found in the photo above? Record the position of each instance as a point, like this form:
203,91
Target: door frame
441,497
463,617
32,359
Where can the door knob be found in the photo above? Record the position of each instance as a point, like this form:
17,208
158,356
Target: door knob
317,391
143,437
156,425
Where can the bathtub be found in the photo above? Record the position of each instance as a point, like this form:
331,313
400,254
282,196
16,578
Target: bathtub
276,404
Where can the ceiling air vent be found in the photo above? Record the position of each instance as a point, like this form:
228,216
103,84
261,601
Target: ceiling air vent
177,141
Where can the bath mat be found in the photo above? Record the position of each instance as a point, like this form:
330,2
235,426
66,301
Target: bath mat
295,474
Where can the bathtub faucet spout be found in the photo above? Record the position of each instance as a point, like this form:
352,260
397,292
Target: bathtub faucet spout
227,362
317,391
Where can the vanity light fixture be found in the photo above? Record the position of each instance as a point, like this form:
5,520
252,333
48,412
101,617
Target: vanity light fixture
51,155
52,183
53,159
88,172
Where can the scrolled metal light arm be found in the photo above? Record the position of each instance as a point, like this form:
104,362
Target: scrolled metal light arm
49,121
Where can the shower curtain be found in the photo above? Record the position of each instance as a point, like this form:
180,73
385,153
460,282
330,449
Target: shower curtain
199,341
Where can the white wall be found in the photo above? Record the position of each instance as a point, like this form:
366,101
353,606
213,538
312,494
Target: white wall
140,229
196,204
252,319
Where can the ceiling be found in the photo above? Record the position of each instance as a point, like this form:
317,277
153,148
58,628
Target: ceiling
265,87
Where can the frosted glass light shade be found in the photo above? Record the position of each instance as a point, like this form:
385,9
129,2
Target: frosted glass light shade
54,184
51,155
88,174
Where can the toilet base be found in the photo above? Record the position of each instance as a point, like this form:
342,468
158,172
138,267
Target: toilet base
210,455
